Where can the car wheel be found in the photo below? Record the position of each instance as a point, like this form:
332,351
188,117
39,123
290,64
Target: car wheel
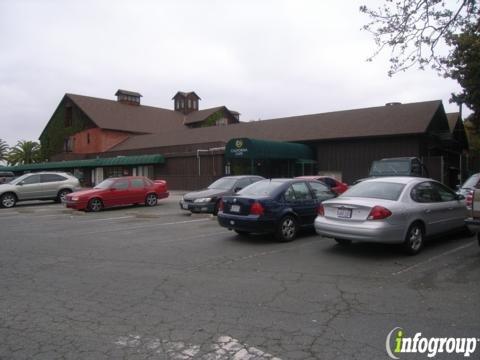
8,200
478,238
151,200
414,239
241,232
287,229
467,232
95,205
62,194
343,242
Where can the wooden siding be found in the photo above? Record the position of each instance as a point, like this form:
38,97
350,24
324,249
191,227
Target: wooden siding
353,158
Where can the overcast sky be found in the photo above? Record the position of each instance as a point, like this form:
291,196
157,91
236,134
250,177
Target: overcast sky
263,58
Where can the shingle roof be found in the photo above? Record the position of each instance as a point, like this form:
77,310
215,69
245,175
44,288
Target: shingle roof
113,115
201,115
127,92
413,118
185,94
110,114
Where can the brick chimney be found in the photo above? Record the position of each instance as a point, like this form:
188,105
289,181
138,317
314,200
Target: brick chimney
128,97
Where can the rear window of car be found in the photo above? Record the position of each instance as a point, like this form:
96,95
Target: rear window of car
375,190
390,168
472,182
263,187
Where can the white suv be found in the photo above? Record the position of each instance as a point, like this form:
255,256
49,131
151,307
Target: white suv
38,186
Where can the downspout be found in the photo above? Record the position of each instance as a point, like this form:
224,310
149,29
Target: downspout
206,150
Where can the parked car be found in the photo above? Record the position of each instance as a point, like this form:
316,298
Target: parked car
333,184
472,183
392,210
278,206
38,186
401,166
6,176
473,219
208,200
121,191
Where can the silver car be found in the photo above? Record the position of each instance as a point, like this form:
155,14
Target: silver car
393,210
38,186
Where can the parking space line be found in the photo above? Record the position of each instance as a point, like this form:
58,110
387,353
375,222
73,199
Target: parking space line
106,219
141,227
412,267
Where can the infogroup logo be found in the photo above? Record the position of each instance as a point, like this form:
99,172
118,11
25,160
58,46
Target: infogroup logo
398,343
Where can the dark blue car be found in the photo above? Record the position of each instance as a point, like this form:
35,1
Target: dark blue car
278,206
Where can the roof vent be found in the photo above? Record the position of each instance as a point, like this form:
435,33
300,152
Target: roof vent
393,103
128,97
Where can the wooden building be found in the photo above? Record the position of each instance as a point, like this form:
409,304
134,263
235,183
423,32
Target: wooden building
195,146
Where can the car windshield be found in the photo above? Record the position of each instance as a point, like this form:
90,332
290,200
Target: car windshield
391,167
223,184
105,184
375,190
263,187
19,179
471,182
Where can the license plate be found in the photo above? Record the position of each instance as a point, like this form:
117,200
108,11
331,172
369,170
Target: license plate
235,208
344,213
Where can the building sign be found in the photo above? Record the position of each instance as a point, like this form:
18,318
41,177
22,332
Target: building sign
239,149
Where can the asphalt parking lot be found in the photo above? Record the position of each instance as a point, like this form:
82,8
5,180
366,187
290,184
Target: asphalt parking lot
157,283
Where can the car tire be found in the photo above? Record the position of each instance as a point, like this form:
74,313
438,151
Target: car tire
467,232
478,238
242,233
415,238
343,242
8,200
95,205
62,194
287,229
151,200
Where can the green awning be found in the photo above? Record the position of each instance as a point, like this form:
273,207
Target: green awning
89,163
245,148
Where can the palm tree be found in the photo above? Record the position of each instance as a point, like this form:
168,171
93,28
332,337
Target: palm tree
24,152
3,150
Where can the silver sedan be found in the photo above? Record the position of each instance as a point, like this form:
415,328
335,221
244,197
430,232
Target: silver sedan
392,210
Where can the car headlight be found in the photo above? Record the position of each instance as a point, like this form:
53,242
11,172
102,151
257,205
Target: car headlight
74,198
202,200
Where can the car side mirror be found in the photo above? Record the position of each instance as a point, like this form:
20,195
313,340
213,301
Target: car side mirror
459,197
21,183
237,189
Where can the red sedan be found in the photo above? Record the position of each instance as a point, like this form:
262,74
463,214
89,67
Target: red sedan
118,192
336,186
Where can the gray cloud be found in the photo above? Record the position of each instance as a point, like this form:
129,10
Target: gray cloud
264,58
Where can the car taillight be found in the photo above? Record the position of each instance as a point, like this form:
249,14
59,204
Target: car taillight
320,210
379,213
256,209
220,205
